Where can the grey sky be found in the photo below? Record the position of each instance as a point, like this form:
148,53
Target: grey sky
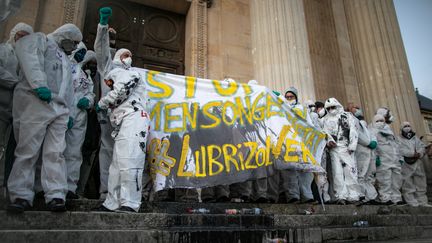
415,21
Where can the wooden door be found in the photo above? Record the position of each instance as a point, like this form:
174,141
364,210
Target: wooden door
155,37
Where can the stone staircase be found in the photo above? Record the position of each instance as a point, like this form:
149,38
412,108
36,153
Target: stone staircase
170,222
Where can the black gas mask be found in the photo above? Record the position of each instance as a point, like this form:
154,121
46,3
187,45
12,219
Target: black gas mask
92,66
68,46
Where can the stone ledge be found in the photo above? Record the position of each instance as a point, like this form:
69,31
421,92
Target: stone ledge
104,221
330,234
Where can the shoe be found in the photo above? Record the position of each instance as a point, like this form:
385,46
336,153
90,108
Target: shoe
413,205
312,201
293,200
103,195
236,200
271,200
18,206
400,203
341,202
242,199
125,209
71,195
372,202
425,205
356,203
57,205
166,199
389,202
282,198
208,200
223,199
102,208
262,200
245,199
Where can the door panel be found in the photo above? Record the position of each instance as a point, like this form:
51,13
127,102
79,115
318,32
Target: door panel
155,37
162,39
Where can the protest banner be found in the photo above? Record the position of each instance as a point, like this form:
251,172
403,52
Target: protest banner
210,132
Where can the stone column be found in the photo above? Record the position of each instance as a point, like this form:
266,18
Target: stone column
280,48
196,40
380,61
345,52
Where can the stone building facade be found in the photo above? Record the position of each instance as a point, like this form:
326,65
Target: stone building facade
351,50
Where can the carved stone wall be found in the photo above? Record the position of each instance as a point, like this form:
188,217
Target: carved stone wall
196,40
201,42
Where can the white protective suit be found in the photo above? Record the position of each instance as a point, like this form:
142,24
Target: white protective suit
9,77
414,178
297,184
388,169
365,165
40,126
105,64
340,128
313,115
320,179
131,121
83,88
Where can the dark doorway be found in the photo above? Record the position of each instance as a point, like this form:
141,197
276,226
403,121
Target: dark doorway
155,37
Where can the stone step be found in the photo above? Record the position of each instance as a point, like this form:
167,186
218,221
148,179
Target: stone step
268,208
102,220
181,207
219,235
381,233
291,209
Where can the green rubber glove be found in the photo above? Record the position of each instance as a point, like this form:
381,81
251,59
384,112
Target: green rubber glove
98,109
43,93
276,93
378,161
83,103
401,162
373,145
70,123
104,15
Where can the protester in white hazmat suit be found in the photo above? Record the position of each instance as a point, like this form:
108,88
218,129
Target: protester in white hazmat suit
297,184
131,121
91,144
342,140
313,114
40,111
388,162
414,178
9,77
83,100
386,113
105,63
365,149
322,180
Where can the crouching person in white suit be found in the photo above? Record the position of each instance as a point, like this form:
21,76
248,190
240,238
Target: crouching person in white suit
130,119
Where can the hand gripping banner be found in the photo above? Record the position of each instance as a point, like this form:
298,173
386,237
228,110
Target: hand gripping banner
210,132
